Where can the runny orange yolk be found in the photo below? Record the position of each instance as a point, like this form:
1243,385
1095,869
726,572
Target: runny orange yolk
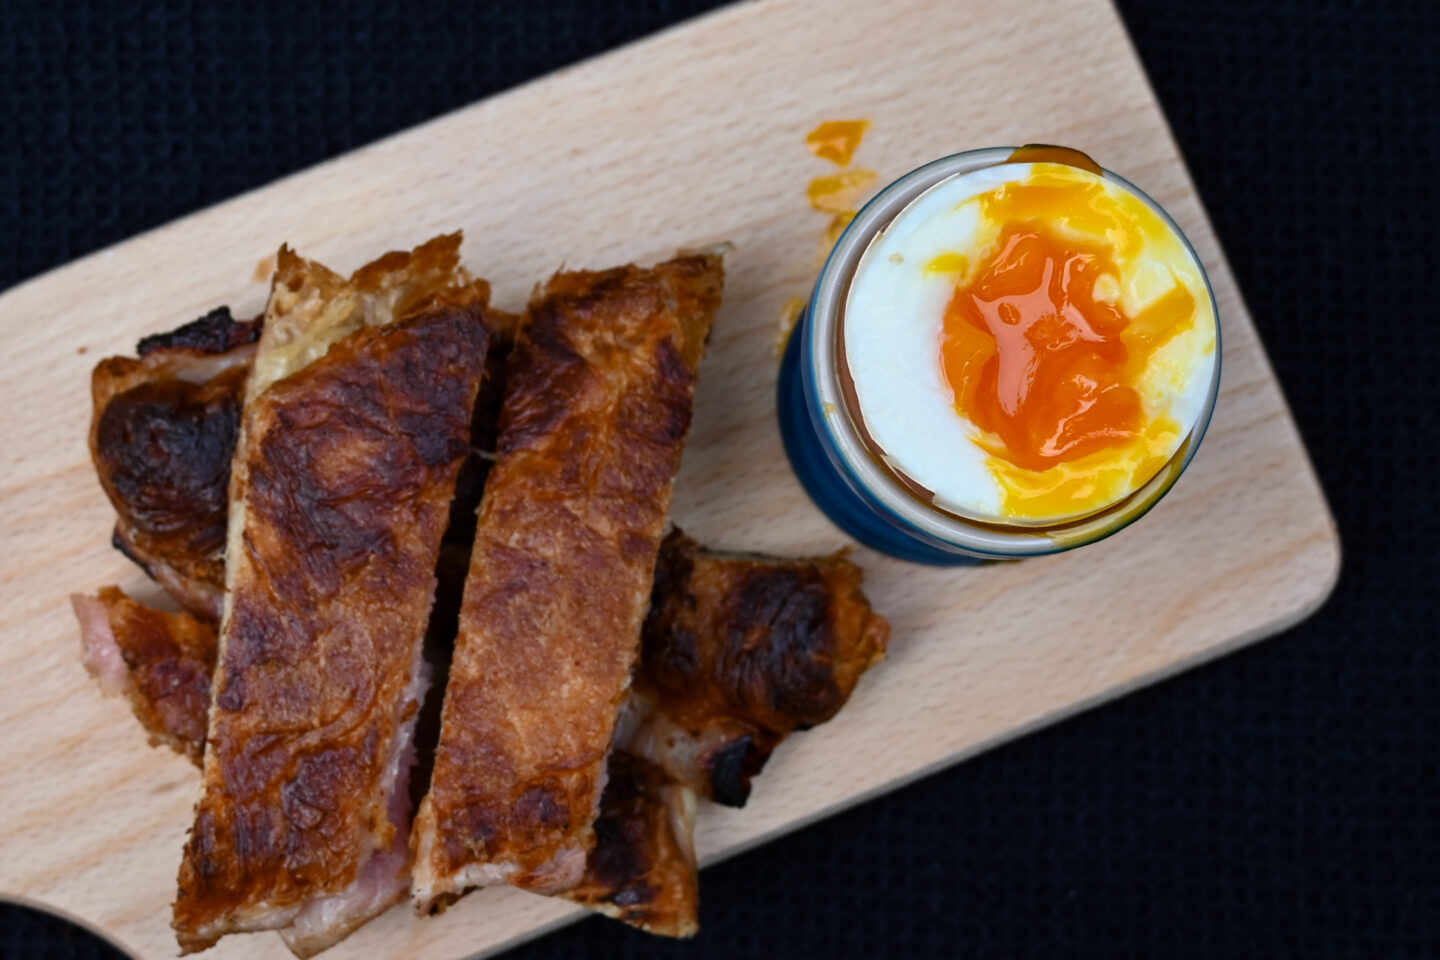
1042,358
1035,358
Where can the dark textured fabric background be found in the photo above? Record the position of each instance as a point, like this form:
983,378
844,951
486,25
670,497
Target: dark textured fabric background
1282,802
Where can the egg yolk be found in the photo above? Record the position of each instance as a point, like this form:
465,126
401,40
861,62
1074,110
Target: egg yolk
1042,358
1035,358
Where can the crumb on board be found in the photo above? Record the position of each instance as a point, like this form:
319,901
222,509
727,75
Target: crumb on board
265,268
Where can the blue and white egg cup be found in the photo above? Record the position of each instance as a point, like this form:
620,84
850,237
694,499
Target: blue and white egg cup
842,476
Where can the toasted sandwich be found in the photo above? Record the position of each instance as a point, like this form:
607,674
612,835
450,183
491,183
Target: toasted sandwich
596,409
356,420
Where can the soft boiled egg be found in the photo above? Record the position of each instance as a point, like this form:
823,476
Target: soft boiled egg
1028,343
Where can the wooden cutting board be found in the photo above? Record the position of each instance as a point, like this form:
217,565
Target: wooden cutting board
688,138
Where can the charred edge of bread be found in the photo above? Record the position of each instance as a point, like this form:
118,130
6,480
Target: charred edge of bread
162,436
162,450
642,869
216,332
731,767
742,650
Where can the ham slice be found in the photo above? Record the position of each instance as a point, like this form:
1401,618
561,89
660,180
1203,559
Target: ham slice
161,662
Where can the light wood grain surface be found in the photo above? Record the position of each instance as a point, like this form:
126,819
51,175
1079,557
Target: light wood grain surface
692,137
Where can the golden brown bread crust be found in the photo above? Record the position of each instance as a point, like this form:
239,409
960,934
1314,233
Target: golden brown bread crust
642,870
741,651
162,435
167,659
596,410
350,465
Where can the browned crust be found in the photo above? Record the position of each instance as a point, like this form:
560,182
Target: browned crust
596,410
741,651
169,657
216,332
162,436
350,467
642,870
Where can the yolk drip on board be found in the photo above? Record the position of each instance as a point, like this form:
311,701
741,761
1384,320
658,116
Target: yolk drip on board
1043,359
838,194
836,140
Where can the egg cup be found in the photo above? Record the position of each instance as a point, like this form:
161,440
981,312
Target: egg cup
845,479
